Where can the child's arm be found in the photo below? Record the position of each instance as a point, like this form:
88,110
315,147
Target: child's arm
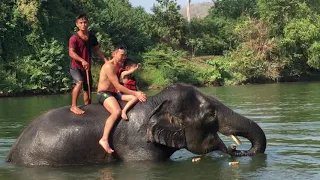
126,73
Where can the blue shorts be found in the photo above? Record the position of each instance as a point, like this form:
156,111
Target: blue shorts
103,95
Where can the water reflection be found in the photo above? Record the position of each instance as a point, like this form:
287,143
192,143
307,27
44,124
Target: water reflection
106,174
207,168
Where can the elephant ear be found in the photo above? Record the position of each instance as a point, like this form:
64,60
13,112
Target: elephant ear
166,128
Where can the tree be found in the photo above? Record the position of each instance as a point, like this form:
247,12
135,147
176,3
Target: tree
213,35
234,8
123,24
296,23
167,24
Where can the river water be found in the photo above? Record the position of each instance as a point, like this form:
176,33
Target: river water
289,114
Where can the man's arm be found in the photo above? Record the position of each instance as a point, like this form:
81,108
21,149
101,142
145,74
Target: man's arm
75,56
110,72
99,53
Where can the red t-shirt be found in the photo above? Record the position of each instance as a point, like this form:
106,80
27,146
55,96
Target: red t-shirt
82,48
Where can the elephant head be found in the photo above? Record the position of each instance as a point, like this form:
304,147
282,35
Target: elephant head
183,117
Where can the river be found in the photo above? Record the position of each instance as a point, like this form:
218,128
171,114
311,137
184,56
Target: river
289,114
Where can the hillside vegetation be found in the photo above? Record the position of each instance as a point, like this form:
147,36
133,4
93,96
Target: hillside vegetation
241,41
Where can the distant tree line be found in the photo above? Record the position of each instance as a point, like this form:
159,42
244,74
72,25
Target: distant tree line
251,41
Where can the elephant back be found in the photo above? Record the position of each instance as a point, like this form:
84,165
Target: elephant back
95,114
55,136
60,137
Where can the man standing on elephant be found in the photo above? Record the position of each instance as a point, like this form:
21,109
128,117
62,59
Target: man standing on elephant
108,81
80,45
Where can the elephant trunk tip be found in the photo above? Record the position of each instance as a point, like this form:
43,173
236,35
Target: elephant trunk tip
232,151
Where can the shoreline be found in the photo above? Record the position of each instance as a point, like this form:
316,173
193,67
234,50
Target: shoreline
150,88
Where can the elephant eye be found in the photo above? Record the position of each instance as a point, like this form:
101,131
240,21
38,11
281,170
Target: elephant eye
210,116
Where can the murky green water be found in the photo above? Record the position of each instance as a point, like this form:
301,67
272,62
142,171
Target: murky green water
289,113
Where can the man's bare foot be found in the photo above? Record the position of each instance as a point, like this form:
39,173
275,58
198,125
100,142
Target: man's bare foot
106,146
124,116
76,110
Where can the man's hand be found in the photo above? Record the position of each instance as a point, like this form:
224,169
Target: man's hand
141,96
85,64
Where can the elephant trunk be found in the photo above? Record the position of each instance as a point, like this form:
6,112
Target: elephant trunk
231,123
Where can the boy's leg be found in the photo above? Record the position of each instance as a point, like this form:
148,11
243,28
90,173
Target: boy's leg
131,101
112,105
77,77
75,94
86,88
86,98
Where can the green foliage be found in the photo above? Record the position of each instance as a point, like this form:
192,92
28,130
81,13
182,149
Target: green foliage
34,55
34,38
209,36
299,36
9,83
216,74
257,57
45,70
163,66
221,67
195,44
95,71
260,40
278,13
123,24
166,60
234,8
153,78
314,55
300,31
167,24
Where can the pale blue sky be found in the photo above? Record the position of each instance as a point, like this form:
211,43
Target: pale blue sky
147,4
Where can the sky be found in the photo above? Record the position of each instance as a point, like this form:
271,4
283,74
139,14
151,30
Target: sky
147,4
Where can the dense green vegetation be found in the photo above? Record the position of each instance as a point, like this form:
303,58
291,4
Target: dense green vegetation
250,40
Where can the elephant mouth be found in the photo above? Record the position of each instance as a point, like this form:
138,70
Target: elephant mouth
257,146
232,151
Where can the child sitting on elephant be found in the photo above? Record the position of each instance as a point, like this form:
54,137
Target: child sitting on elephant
127,80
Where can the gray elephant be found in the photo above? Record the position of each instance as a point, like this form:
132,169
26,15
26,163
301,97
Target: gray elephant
178,117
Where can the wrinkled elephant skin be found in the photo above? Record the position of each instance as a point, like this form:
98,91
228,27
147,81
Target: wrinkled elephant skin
178,117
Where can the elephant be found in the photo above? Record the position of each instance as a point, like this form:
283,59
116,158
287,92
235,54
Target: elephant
180,116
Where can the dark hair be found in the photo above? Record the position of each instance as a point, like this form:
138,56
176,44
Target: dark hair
121,47
82,16
129,62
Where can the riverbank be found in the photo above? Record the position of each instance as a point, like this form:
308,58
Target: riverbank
29,93
195,71
315,77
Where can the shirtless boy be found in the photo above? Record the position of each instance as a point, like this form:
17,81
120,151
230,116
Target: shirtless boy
108,81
